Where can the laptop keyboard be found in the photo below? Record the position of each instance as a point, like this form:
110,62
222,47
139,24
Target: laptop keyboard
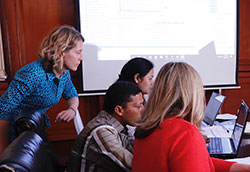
215,145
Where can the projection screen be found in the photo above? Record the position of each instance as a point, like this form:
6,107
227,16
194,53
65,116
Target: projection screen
202,33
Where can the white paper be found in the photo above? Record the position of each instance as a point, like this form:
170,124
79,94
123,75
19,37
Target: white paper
226,116
247,129
245,160
215,131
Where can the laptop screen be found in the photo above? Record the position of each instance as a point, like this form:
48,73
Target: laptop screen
240,124
213,106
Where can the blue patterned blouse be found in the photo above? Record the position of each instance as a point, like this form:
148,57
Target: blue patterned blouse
34,89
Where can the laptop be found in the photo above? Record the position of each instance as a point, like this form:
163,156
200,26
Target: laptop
212,109
222,147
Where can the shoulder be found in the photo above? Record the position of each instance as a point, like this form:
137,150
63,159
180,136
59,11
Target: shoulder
32,66
105,131
106,119
180,129
178,123
103,118
181,136
32,70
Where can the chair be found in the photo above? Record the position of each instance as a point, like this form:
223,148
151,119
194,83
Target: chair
34,121
30,121
28,152
78,123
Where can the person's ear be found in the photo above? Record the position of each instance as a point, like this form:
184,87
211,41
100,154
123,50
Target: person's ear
61,54
118,110
137,78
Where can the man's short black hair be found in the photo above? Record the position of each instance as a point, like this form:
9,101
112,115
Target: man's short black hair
119,93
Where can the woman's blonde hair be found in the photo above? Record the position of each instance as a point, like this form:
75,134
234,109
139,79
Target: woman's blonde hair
177,92
61,39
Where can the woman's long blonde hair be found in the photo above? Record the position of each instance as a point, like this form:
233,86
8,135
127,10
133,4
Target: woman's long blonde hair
177,92
61,39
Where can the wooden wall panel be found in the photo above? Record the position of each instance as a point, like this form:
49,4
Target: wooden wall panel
10,38
234,96
244,34
38,18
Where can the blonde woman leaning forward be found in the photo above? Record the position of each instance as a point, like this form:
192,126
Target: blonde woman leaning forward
40,84
168,137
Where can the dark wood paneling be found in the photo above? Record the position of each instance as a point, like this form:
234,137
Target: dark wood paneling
39,17
10,37
244,26
234,96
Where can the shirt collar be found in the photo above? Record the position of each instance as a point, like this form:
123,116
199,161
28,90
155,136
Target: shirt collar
51,76
113,121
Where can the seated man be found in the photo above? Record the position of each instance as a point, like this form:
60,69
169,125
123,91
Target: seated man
105,143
